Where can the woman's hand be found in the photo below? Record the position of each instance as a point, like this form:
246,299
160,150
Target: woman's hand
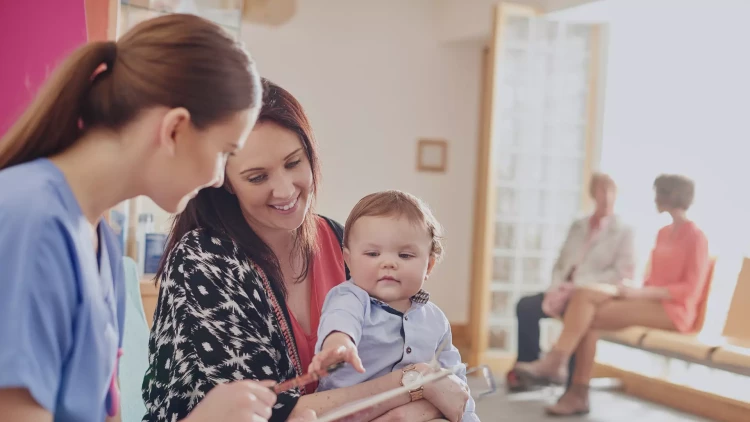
449,395
238,401
555,299
337,347
627,292
416,411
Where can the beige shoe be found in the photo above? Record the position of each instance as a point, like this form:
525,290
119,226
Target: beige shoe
551,369
575,401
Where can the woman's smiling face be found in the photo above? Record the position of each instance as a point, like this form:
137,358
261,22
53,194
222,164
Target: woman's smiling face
272,179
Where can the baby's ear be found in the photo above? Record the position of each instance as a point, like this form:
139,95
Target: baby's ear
347,257
430,266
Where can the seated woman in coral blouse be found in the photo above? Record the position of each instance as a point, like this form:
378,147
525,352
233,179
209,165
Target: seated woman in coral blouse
668,300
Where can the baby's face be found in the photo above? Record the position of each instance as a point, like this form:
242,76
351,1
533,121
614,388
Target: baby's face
389,257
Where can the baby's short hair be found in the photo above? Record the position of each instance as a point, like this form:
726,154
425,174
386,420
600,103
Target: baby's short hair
395,203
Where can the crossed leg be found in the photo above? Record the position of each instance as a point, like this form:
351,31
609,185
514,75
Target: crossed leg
575,400
585,356
587,312
595,310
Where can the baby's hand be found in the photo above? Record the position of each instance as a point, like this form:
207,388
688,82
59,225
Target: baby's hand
337,347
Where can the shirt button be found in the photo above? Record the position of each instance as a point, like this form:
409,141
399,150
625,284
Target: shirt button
408,350
406,317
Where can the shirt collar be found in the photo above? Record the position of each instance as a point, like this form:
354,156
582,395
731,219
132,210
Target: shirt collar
602,222
421,297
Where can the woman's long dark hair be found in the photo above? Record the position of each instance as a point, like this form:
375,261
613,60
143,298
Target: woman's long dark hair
218,212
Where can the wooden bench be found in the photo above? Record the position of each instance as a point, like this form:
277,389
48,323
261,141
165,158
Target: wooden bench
729,351
734,353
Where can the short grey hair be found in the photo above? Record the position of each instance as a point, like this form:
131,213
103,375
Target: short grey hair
597,179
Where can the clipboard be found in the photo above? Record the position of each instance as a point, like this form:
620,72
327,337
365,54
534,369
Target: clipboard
360,405
357,406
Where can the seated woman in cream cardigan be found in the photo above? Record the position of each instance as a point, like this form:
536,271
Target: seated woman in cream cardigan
668,300
598,249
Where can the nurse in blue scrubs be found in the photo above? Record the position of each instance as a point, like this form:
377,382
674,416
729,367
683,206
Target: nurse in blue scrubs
155,114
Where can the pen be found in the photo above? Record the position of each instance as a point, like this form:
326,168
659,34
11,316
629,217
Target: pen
306,378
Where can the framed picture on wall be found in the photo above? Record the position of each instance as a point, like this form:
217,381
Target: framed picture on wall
432,155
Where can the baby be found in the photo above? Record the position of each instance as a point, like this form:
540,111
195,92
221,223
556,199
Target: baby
381,316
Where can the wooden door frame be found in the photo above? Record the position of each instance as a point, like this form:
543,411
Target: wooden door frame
485,197
594,111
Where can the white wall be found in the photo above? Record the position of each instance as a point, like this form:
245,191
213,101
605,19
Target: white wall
461,21
373,78
464,20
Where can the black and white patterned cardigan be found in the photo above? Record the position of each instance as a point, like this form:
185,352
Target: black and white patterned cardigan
217,320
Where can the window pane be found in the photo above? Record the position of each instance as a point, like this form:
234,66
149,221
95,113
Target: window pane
502,304
502,269
505,236
533,237
507,202
532,271
506,167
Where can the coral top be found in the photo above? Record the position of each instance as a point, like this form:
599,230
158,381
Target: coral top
326,271
680,263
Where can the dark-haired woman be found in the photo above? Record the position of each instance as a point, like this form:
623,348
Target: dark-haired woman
248,269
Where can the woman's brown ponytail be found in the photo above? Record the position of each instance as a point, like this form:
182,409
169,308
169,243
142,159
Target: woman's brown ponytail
177,60
50,124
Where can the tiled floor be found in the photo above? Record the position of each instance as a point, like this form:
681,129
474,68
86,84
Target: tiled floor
605,406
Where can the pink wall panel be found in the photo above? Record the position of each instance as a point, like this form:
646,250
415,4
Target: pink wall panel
34,36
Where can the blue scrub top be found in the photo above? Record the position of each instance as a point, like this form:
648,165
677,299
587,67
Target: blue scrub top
62,304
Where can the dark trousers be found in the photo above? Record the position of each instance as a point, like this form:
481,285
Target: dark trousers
529,313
